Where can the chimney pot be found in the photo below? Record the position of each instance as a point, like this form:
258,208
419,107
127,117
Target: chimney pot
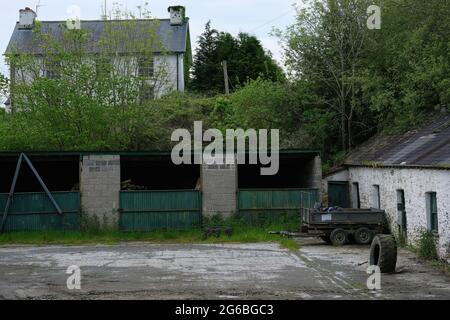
177,15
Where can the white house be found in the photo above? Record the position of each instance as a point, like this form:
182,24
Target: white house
407,175
172,53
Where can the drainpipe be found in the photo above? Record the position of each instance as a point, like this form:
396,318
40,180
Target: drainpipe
178,72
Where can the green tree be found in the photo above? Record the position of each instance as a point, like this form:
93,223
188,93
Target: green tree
409,63
71,98
246,60
205,70
326,46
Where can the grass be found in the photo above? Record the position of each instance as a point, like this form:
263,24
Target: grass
241,234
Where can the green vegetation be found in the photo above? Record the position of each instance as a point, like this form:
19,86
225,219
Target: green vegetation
245,56
426,246
241,234
345,83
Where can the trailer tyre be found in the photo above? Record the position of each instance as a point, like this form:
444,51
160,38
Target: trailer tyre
326,239
339,237
363,236
383,253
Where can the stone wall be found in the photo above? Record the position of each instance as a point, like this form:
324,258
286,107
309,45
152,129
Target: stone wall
100,188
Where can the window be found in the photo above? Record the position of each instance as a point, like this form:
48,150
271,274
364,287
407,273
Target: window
376,196
356,202
146,72
145,67
432,213
52,70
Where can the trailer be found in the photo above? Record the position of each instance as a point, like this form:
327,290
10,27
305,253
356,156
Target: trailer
339,226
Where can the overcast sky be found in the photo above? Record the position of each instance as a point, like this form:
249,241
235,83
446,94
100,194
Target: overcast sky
257,17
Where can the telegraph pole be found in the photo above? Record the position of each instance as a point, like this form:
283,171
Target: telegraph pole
225,77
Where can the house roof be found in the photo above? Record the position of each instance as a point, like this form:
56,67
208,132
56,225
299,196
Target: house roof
428,145
173,37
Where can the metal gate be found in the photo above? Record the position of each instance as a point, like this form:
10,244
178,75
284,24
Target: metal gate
262,206
35,211
160,210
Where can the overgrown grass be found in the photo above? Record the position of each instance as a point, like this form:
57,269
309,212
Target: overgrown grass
241,234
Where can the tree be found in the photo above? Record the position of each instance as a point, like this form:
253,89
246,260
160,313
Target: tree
408,63
245,56
206,72
72,97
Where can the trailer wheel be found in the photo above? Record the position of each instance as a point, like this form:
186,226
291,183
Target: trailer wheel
383,253
339,237
363,236
326,239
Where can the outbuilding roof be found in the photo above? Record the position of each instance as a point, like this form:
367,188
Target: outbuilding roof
427,145
174,38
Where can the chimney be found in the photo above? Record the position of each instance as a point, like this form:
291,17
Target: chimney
177,15
26,18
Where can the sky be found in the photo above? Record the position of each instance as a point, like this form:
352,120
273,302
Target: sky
257,17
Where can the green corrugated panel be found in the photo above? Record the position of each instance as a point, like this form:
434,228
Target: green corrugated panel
275,199
259,207
156,210
35,212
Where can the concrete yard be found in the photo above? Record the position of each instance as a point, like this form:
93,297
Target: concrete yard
198,271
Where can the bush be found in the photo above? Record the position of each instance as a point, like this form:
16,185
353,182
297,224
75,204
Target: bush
426,248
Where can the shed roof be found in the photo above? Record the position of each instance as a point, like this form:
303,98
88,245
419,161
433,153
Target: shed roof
173,37
427,145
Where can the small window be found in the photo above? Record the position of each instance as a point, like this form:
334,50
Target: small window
145,67
376,203
52,71
356,202
432,211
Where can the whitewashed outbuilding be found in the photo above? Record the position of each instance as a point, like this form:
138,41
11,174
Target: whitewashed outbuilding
407,175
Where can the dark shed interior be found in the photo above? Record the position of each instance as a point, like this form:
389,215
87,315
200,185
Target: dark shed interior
59,173
158,173
295,171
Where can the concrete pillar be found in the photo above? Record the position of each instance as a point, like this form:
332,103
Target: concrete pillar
315,174
219,188
100,189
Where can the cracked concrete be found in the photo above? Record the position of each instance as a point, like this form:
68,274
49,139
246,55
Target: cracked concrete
200,271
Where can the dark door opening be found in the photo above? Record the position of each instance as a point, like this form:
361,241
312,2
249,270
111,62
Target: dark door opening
402,223
338,194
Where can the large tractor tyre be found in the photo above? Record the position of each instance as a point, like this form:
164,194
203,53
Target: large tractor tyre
383,253
363,236
339,237
326,239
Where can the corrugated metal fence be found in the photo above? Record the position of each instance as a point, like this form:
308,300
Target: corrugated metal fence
262,206
160,210
35,212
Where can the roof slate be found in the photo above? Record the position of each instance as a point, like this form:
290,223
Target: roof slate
173,37
428,145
